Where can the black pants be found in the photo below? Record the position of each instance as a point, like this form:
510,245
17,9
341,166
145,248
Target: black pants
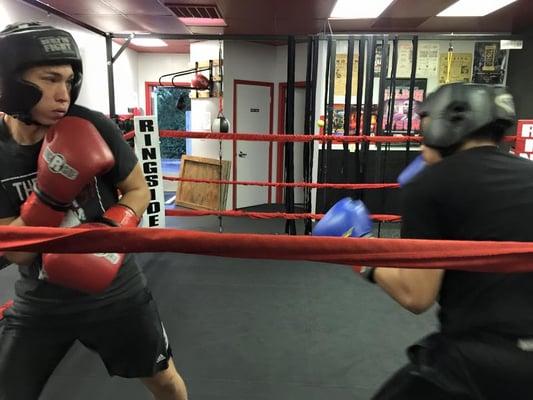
404,385
127,335
477,366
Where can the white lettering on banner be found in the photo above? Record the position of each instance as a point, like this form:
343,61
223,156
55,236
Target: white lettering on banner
149,155
528,148
527,130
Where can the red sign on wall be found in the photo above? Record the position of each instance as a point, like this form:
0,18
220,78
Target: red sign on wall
524,138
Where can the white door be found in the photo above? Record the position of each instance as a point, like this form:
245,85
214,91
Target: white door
253,158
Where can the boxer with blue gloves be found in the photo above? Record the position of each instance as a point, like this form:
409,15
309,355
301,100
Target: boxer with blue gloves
473,190
347,218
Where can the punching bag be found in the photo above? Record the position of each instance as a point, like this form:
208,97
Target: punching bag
220,124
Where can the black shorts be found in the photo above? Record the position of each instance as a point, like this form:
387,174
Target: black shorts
128,335
480,365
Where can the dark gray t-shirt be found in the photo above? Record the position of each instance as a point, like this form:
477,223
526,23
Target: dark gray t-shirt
18,164
477,194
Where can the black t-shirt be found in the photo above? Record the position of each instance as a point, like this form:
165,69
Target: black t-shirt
18,164
477,194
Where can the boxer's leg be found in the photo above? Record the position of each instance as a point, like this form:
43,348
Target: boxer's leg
132,342
167,384
28,356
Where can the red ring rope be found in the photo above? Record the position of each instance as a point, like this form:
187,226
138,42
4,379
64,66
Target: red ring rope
409,253
289,138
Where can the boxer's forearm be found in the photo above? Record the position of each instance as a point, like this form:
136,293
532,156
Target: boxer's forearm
415,289
135,192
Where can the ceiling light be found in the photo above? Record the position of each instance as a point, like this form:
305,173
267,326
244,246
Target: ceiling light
148,42
203,21
473,8
350,9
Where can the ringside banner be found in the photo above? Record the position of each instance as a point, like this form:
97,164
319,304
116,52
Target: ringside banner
149,155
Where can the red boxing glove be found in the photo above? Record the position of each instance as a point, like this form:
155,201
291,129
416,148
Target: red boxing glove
89,273
4,307
94,272
121,215
72,154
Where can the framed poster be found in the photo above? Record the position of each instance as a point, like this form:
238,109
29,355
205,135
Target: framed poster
341,68
338,119
401,104
489,63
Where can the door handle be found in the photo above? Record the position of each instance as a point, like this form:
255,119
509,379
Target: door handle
241,154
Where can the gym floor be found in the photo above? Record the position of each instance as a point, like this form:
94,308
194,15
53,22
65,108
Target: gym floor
257,330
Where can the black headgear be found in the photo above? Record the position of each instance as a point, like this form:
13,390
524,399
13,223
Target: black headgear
460,110
25,45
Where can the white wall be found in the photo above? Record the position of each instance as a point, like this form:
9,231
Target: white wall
126,78
152,65
244,61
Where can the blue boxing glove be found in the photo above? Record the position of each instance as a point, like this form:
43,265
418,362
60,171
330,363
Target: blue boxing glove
412,170
347,218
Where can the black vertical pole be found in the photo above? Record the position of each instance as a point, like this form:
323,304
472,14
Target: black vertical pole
358,109
367,114
347,107
110,76
381,90
290,225
411,94
322,172
392,87
389,116
329,115
310,95
380,166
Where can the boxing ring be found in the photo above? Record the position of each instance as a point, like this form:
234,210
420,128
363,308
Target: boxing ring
241,322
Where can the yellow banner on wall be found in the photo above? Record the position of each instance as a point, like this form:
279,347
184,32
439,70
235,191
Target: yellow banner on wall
460,65
341,68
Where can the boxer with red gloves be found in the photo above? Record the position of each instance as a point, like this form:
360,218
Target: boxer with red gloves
347,218
60,162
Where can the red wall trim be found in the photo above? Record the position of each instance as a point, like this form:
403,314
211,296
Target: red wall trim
270,131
